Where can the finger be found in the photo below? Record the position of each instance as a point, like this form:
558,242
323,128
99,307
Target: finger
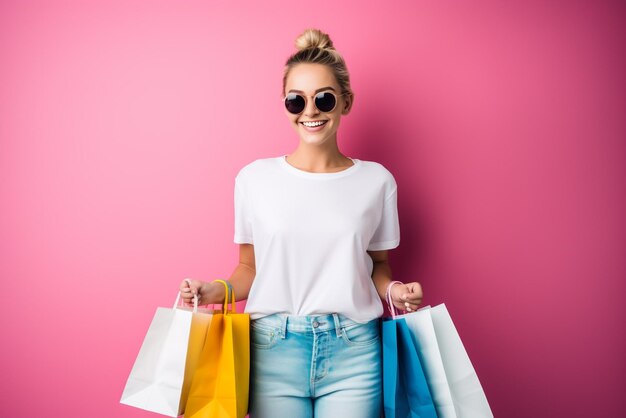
411,307
413,304
188,297
190,291
189,287
411,297
413,301
404,305
414,287
407,306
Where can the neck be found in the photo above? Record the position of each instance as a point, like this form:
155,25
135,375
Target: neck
317,158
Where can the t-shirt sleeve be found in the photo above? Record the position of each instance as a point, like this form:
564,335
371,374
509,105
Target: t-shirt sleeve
387,234
243,225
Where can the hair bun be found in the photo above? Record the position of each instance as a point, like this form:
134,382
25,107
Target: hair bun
313,38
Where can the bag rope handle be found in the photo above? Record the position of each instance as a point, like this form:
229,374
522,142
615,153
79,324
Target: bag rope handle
392,308
228,292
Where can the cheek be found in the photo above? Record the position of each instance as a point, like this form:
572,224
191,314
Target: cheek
291,117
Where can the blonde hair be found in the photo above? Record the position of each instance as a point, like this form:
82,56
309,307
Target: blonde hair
315,47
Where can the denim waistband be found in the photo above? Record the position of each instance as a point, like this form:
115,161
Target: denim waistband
307,323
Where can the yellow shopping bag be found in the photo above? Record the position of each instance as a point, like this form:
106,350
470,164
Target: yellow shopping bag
220,385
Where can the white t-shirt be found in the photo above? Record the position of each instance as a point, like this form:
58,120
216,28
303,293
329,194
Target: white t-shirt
310,233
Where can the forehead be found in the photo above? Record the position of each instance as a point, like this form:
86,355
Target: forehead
310,77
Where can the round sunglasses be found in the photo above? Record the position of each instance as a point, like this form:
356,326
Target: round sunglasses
325,101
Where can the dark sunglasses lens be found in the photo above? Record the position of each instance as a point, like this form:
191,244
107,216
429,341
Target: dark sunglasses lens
325,102
294,103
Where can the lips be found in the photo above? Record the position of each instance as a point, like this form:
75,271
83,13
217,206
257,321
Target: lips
312,121
314,129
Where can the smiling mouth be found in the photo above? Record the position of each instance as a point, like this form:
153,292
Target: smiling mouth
314,124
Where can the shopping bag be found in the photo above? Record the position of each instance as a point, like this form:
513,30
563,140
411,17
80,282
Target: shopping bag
467,393
405,390
220,385
453,382
161,375
421,327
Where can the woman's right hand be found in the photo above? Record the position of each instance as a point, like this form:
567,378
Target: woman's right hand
208,293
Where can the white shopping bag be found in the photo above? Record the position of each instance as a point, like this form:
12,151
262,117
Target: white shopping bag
467,393
452,380
161,376
421,326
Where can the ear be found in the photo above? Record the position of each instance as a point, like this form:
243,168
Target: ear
348,101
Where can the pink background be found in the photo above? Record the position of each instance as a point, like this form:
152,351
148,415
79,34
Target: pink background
123,124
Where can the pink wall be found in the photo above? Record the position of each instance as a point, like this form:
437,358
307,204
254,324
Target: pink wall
123,124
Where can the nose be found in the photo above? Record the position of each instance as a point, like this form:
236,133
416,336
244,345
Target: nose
310,108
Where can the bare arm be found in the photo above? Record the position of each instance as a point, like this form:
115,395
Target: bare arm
241,280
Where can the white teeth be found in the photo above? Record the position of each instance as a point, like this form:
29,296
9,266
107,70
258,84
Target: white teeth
312,124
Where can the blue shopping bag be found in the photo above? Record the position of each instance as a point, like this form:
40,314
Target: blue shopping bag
405,390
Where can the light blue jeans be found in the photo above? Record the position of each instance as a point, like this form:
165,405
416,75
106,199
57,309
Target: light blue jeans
319,366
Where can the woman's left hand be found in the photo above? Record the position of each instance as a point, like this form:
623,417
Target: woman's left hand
407,296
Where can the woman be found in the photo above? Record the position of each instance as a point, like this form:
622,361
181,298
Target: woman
314,228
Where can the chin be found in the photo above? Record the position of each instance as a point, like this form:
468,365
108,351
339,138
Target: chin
313,141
